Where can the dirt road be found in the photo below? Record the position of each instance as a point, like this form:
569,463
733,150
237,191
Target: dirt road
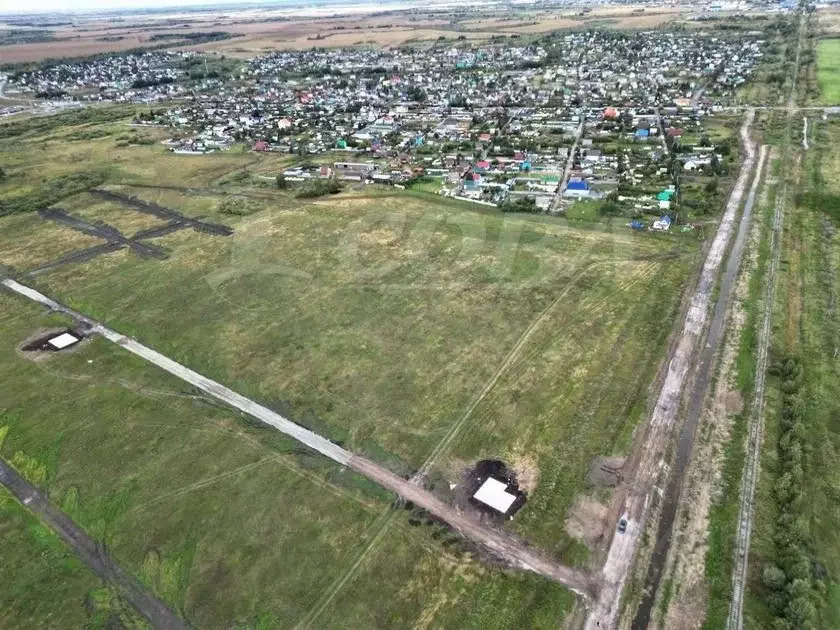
570,160
90,552
752,459
498,543
646,471
702,377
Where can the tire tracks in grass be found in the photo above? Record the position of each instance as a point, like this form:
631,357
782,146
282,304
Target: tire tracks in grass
380,526
513,359
376,532
218,427
516,362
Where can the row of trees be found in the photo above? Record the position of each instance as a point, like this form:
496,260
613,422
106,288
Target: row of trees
794,580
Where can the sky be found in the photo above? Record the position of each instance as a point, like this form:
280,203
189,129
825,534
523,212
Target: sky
70,6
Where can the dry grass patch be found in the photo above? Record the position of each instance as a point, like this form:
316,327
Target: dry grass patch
27,241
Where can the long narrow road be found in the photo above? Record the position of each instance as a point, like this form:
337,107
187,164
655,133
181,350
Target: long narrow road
699,387
90,552
498,543
755,433
570,160
606,609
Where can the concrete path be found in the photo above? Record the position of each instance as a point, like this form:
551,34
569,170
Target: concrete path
498,543
91,553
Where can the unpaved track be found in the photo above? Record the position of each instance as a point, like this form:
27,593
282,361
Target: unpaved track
752,460
567,169
90,552
147,207
702,376
606,609
499,544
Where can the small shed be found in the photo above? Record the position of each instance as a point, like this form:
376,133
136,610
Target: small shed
494,494
64,340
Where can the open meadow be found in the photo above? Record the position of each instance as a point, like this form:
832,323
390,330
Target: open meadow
43,584
415,330
828,70
797,505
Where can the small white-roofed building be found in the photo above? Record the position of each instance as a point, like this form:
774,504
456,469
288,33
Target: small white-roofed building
63,340
494,494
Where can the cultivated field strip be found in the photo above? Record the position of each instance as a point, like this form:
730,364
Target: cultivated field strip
499,544
91,552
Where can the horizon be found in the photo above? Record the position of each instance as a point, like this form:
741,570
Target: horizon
70,7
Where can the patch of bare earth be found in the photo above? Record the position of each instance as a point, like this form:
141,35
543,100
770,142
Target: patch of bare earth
587,521
686,567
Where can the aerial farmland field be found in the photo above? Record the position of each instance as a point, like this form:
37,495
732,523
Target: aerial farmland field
417,331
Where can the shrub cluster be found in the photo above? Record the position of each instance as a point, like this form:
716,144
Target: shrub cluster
238,207
52,191
794,580
319,188
522,204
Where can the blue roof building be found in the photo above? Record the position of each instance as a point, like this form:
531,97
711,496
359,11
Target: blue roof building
642,133
577,188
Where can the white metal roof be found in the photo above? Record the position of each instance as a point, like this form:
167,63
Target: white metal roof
63,340
494,493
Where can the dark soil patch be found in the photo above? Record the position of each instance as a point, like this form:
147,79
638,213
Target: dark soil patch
605,471
473,478
37,344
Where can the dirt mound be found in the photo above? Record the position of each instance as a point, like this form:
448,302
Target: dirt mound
605,471
36,348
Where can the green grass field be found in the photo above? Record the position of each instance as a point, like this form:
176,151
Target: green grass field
804,329
828,70
372,317
44,585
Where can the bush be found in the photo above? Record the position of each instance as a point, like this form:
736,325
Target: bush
319,188
523,204
793,583
238,207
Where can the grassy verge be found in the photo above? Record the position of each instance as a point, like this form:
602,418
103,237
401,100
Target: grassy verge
44,585
828,70
794,575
